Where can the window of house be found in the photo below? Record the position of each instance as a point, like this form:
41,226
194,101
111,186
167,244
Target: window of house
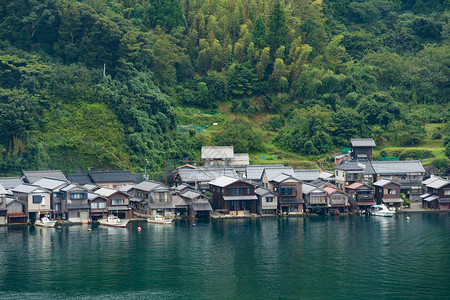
314,199
337,173
248,191
391,192
446,192
288,190
269,199
117,201
57,206
235,191
57,195
37,199
294,208
77,196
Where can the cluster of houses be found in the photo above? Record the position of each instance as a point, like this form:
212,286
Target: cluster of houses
225,186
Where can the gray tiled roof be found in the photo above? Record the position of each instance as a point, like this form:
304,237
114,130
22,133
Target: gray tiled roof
224,152
349,166
80,178
307,189
223,181
112,176
382,182
201,206
326,175
274,172
306,175
10,182
263,191
33,176
190,194
247,197
240,159
106,192
430,180
178,201
281,177
397,167
362,142
2,190
69,187
254,172
27,188
50,183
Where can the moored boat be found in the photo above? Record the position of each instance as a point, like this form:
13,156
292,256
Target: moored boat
158,219
381,210
45,222
113,221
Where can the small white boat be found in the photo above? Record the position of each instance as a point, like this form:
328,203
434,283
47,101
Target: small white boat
113,221
158,219
45,222
381,210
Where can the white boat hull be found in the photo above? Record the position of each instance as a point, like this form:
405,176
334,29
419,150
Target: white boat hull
48,224
164,221
121,224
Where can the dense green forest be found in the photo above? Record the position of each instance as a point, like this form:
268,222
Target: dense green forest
106,84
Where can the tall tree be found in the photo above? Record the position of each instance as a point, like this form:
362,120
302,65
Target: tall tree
278,30
259,33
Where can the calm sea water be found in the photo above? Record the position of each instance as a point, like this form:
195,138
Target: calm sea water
344,257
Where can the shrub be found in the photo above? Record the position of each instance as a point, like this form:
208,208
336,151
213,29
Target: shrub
436,136
441,163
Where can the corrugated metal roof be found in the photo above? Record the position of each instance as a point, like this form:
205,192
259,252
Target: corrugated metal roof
363,142
382,182
91,187
93,196
240,159
425,196
69,187
28,188
437,184
431,198
190,194
254,172
50,183
33,176
281,177
430,180
10,182
326,175
106,191
127,188
118,208
247,197
306,175
148,185
205,174
112,176
397,167
223,181
263,191
217,152
274,172
178,201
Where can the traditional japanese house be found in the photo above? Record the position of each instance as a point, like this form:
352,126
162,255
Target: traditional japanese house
33,176
347,173
362,148
36,200
254,173
269,174
98,206
117,202
3,209
233,196
337,199
58,203
315,199
80,179
77,203
198,179
388,192
361,194
198,205
140,195
438,193
112,179
151,197
267,202
15,211
409,174
289,191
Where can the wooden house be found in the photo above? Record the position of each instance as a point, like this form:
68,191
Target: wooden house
362,148
388,192
361,194
15,211
36,200
337,199
58,203
233,196
192,203
437,193
117,202
267,202
315,199
289,191
409,174
151,197
198,179
98,206
77,206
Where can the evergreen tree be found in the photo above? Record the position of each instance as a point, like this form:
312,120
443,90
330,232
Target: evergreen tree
278,30
166,13
259,33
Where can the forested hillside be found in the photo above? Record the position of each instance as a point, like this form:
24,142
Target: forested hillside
105,84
